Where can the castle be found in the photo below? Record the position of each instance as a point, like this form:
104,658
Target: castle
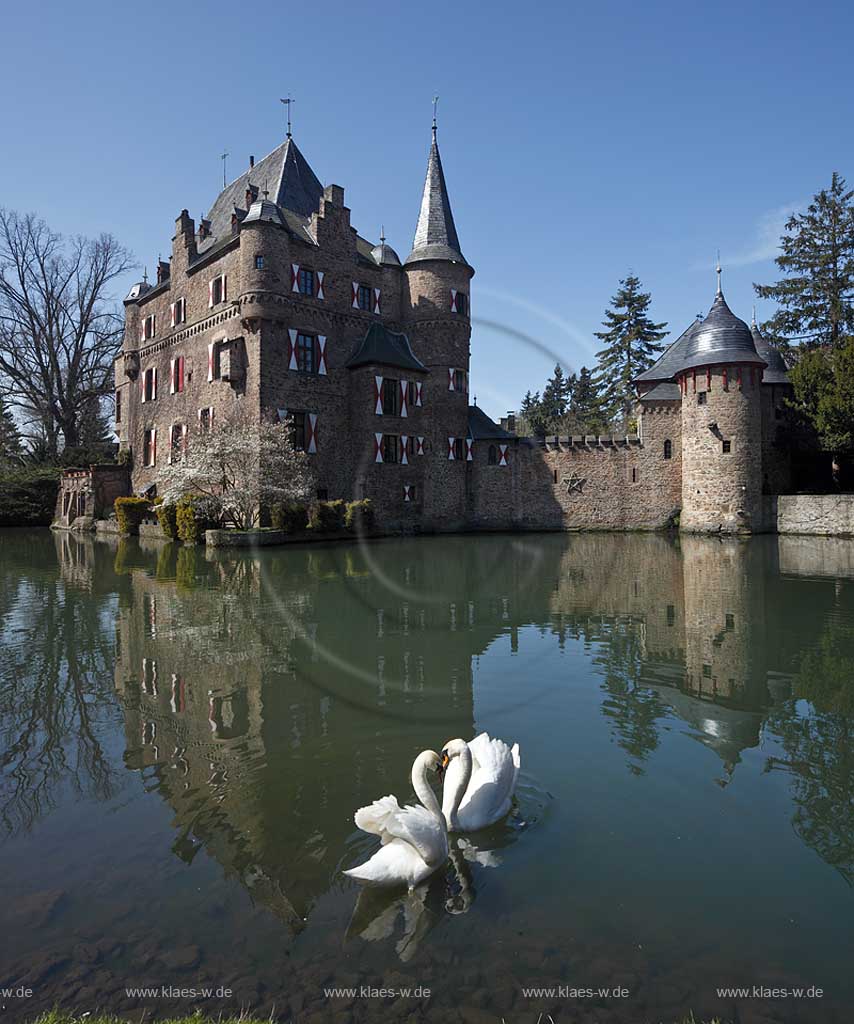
274,305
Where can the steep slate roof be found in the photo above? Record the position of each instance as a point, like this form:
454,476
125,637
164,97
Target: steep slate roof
385,348
292,185
670,361
721,338
775,372
663,392
482,428
435,234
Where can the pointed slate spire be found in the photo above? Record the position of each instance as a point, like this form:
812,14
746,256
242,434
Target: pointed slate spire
298,188
436,234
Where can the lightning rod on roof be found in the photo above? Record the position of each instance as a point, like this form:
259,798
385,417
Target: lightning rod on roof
287,102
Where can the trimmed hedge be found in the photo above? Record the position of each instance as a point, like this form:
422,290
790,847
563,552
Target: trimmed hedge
289,518
28,496
192,519
359,515
167,516
130,512
327,516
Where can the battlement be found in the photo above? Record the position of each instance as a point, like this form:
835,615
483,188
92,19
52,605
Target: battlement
591,442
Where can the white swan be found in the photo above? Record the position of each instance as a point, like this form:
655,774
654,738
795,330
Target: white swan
414,839
480,779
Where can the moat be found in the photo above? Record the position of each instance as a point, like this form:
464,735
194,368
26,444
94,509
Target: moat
184,736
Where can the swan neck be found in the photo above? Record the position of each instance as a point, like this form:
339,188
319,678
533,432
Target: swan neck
424,791
463,784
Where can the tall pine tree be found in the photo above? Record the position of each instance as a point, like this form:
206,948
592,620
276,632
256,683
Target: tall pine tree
631,346
816,295
556,395
584,412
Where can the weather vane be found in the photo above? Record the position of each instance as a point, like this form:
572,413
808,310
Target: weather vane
224,157
435,105
287,102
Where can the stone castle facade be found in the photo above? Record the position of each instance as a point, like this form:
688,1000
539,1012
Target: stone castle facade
273,306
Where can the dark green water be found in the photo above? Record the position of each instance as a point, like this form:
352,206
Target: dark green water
184,738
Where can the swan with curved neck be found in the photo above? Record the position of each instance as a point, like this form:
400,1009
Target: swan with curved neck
414,839
480,780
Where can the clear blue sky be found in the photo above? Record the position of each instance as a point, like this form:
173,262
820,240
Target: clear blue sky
579,141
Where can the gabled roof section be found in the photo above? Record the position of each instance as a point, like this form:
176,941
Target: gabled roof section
383,347
482,428
669,362
436,233
290,183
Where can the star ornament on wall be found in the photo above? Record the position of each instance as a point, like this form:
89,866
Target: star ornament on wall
574,484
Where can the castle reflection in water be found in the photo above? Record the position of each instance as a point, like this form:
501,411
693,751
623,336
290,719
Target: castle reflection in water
253,685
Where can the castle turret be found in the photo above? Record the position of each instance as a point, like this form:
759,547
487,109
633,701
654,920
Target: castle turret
720,376
435,313
775,392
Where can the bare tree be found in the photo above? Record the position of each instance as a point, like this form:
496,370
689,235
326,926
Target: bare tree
58,335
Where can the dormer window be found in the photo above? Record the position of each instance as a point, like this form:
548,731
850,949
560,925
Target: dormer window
149,325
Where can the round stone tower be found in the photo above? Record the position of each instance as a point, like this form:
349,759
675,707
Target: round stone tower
776,392
720,379
435,314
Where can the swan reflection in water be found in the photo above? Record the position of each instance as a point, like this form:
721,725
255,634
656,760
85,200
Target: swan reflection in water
450,892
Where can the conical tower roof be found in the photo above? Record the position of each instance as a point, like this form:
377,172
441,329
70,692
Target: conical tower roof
721,338
775,370
436,233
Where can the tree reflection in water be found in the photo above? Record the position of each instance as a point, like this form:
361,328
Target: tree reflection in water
815,730
57,699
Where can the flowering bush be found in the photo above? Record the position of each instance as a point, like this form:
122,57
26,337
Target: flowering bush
238,468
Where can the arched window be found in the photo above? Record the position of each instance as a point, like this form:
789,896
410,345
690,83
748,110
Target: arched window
668,449
492,455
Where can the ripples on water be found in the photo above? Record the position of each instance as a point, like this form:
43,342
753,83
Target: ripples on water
184,737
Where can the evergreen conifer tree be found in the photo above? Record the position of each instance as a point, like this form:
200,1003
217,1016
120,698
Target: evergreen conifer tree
11,445
556,396
816,295
631,346
584,411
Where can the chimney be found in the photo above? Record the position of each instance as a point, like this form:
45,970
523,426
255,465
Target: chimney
251,162
184,243
511,421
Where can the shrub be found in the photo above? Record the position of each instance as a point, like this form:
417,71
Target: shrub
359,515
327,516
192,518
28,495
290,518
130,512
125,458
167,516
